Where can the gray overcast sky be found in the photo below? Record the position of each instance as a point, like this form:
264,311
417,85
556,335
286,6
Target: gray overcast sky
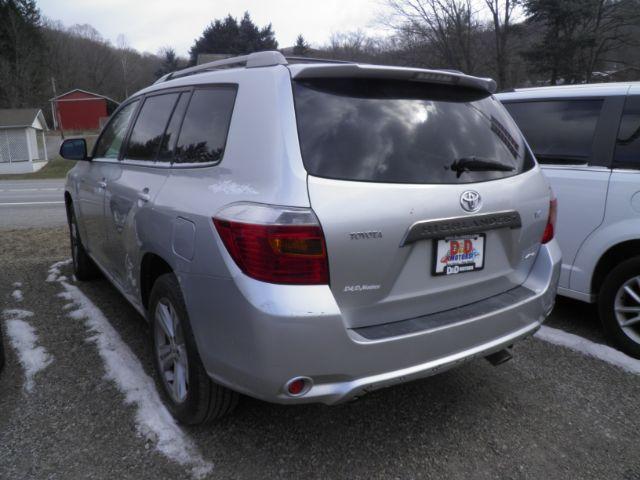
149,25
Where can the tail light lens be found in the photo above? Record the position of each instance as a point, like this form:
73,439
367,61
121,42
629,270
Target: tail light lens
549,230
275,244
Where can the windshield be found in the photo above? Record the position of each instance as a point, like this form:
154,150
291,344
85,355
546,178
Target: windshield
403,132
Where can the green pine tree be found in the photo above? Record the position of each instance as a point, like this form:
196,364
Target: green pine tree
229,36
301,48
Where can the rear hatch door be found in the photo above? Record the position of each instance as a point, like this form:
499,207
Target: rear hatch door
411,179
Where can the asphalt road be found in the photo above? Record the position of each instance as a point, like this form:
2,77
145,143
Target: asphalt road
32,203
549,413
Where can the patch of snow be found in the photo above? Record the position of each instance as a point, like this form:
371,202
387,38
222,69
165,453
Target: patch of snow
17,284
23,339
122,367
65,296
16,314
587,347
17,295
230,187
54,270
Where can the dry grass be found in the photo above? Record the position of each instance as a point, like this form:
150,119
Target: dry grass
56,168
33,245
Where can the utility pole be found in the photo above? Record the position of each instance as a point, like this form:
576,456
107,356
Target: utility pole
54,108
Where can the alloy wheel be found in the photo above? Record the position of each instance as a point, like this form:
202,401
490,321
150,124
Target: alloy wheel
171,351
627,308
74,241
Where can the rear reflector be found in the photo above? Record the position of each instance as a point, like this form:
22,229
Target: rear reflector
275,244
549,230
298,386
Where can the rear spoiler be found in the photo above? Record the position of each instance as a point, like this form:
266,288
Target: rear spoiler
447,77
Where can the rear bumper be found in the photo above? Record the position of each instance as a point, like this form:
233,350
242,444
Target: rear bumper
254,345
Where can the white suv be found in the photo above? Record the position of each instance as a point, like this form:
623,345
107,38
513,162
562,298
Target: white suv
587,139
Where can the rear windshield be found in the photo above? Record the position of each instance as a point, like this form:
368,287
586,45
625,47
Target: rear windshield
403,132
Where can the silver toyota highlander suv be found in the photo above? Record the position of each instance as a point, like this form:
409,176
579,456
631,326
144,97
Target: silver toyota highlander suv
308,231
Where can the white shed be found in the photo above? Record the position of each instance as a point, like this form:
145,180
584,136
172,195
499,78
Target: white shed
23,146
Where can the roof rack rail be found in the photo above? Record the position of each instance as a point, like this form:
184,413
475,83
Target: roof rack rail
295,59
449,70
252,60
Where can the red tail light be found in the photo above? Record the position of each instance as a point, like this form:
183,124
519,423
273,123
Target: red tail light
275,244
549,230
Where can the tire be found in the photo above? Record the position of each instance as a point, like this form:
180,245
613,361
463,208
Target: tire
194,399
619,306
1,351
83,267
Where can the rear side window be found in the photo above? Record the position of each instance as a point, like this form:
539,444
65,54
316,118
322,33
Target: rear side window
628,142
110,141
148,131
205,126
559,131
403,132
168,145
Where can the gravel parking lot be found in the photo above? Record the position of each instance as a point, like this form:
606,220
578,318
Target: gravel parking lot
550,413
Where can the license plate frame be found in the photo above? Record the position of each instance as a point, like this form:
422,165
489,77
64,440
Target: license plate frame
463,265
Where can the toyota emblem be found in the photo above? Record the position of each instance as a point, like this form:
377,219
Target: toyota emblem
470,201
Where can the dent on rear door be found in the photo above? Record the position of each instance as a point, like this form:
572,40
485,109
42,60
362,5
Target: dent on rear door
129,211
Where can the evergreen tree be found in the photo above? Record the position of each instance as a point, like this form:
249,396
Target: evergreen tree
301,48
170,62
577,34
228,36
21,53
555,52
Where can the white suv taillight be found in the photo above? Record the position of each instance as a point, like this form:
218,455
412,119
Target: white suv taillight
549,230
275,244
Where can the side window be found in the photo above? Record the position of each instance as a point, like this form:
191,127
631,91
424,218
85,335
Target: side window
559,131
171,135
627,153
206,123
110,141
148,129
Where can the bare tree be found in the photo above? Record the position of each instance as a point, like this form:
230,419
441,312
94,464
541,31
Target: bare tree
125,54
502,16
449,26
79,57
85,30
356,46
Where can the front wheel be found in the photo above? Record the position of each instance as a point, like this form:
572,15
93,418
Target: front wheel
619,306
191,396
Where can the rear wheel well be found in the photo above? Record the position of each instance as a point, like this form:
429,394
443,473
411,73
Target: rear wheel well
152,267
612,257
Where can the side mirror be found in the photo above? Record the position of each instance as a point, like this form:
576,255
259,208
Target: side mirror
74,149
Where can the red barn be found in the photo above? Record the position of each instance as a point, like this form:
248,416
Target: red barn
80,110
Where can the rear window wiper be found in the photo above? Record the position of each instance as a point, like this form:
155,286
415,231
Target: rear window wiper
477,164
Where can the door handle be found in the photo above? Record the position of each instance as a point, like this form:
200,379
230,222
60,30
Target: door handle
144,195
102,184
